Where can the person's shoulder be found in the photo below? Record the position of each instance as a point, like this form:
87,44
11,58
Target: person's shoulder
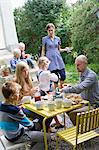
9,108
13,59
14,109
45,73
45,37
39,71
57,37
91,73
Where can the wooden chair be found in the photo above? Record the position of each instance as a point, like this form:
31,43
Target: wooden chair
87,127
6,145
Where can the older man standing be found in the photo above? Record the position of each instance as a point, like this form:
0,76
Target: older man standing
88,86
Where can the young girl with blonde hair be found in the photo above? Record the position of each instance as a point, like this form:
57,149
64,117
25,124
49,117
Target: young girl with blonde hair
24,79
45,77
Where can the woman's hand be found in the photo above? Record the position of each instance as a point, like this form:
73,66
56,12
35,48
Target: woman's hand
66,49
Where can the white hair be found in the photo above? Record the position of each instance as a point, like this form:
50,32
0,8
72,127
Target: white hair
16,51
82,58
21,44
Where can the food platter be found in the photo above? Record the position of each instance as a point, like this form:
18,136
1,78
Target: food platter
76,98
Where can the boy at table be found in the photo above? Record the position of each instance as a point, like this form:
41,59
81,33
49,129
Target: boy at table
13,121
88,86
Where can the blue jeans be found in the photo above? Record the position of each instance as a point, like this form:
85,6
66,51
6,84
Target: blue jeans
30,62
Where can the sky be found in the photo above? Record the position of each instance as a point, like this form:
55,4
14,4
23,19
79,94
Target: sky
19,3
71,1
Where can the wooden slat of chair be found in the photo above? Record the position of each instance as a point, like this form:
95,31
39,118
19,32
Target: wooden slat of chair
81,124
94,119
78,129
87,120
91,121
97,118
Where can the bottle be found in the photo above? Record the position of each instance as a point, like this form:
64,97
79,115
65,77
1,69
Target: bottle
50,96
37,96
57,92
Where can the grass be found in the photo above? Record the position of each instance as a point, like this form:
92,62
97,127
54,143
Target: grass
73,75
95,67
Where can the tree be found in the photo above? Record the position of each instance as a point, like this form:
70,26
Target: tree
31,21
84,28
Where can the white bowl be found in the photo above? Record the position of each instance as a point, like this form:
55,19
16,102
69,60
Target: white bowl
51,106
67,102
39,105
58,102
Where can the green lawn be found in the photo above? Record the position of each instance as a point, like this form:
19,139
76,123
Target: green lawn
73,75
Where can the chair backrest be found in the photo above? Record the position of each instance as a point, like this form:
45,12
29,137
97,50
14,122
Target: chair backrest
87,121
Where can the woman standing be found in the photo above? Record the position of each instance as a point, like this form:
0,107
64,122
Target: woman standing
51,48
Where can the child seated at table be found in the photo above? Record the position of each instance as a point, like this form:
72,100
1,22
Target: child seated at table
23,78
15,59
25,56
13,121
45,78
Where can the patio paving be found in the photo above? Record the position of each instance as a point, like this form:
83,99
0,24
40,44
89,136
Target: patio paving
93,144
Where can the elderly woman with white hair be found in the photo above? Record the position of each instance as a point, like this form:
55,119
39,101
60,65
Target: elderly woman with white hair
16,59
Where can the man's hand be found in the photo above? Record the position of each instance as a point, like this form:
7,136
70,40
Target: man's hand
66,85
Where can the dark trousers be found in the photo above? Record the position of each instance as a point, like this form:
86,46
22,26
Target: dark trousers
33,115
